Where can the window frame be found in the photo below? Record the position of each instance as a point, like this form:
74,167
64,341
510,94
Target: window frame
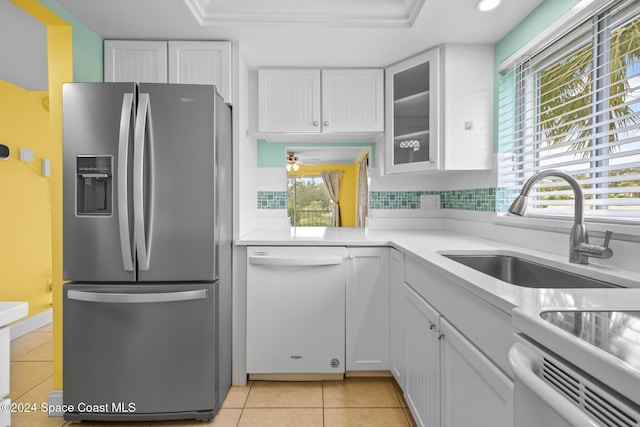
527,108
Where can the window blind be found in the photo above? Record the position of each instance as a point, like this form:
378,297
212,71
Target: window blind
575,106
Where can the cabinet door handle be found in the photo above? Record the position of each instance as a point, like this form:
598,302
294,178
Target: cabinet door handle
326,123
316,123
431,325
432,160
440,335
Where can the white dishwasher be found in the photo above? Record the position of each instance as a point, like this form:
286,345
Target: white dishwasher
295,310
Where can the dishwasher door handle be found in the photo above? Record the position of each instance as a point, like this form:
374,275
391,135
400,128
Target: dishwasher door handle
103,297
524,363
295,262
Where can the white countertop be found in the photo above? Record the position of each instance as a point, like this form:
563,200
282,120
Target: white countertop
525,304
429,245
12,311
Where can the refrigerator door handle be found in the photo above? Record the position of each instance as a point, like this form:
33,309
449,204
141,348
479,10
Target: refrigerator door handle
123,161
109,298
138,181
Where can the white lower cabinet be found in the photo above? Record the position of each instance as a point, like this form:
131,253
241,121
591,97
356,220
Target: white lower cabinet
422,350
474,391
367,314
449,382
426,343
396,316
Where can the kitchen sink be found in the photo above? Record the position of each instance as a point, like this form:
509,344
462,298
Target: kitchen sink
522,272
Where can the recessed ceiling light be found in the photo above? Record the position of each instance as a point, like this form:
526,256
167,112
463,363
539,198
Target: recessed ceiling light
487,5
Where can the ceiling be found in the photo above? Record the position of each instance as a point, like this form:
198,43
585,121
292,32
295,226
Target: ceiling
285,33
331,12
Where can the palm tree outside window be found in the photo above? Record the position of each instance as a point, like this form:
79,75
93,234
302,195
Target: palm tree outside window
575,106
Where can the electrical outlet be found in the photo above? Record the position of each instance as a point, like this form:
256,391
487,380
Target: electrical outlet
429,202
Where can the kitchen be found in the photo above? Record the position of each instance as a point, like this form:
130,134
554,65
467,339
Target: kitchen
249,179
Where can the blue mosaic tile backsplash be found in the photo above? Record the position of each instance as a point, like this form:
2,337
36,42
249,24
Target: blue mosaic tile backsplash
272,200
398,199
478,199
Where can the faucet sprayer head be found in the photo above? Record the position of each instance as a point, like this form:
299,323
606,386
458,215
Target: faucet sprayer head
519,205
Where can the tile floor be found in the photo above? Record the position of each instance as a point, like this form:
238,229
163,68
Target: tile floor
366,402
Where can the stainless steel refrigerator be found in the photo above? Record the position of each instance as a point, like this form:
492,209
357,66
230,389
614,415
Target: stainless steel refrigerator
147,251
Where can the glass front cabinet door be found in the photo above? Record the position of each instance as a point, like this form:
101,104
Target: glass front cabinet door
413,97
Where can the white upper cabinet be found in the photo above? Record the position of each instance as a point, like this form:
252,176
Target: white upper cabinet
352,100
289,100
201,62
320,101
440,110
468,107
412,115
192,62
135,61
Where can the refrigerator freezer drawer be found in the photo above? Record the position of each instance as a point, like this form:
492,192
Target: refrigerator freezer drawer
139,352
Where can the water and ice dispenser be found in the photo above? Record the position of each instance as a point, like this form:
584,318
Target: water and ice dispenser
94,186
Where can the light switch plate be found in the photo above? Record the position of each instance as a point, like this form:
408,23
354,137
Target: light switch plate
26,155
46,168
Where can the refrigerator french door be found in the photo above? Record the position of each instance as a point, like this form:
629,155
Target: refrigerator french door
140,249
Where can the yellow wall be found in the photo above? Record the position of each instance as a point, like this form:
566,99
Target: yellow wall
60,65
25,200
348,188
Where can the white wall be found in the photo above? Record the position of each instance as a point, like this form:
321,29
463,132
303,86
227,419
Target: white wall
245,151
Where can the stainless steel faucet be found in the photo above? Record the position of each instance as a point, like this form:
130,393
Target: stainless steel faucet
579,248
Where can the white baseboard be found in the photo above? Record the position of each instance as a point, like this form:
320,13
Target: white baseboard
30,324
55,403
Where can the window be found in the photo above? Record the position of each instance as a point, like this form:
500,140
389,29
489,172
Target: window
575,106
309,202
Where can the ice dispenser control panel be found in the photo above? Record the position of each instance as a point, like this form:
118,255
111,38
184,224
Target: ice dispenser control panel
94,185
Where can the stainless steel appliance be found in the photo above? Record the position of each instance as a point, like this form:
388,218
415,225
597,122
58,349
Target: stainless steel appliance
146,317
